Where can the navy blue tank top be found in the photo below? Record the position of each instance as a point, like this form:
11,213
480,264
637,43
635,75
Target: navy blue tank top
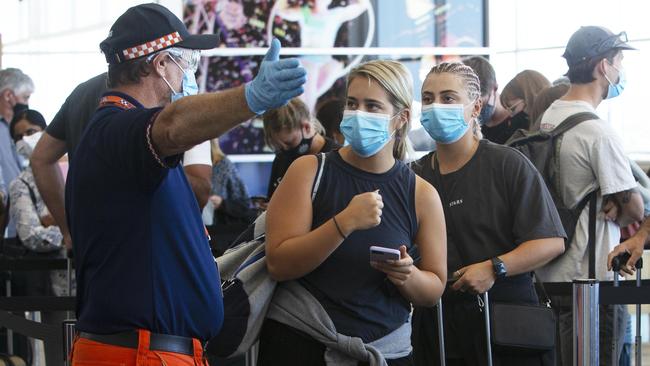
361,301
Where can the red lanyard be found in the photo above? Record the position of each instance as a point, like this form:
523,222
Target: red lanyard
115,101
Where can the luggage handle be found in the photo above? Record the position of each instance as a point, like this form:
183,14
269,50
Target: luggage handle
620,260
484,306
617,263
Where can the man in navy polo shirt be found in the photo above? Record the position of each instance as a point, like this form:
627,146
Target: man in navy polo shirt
148,287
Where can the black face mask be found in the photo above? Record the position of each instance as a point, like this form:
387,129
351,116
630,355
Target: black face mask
520,120
19,107
301,149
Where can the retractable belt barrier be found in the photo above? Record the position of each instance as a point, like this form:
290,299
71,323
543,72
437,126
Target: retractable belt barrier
51,335
626,294
588,295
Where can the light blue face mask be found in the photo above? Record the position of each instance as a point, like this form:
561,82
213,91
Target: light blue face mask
188,84
445,123
367,133
614,90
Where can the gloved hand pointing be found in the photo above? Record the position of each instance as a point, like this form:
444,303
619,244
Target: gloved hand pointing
277,81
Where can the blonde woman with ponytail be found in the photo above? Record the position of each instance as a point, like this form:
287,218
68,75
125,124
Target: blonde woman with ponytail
367,197
501,221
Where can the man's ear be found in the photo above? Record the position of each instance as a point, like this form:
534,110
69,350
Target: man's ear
159,64
600,69
8,96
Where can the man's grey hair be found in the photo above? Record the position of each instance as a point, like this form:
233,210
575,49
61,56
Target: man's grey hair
16,81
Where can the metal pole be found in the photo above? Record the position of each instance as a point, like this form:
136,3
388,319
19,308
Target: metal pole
251,356
637,338
69,278
486,308
585,322
10,333
441,334
69,334
614,338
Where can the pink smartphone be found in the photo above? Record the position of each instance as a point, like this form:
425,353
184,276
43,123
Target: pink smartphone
381,254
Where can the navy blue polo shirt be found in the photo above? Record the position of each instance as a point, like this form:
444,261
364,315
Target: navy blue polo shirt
142,255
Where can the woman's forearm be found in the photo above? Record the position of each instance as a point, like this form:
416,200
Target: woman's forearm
423,288
298,256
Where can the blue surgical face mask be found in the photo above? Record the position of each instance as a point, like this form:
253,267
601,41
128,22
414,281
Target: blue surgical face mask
188,84
614,90
445,123
367,133
486,112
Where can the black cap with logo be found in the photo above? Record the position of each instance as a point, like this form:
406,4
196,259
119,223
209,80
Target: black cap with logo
148,28
591,41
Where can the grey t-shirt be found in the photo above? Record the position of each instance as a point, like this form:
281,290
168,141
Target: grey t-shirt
591,156
70,121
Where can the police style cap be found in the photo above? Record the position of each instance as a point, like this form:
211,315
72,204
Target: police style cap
148,28
591,41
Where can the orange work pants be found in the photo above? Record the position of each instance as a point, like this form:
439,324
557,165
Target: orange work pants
86,352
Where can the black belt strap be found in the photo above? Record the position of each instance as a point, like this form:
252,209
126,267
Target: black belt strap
158,342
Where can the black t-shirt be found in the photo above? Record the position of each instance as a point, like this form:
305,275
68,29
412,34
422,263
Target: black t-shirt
500,133
78,108
282,162
495,202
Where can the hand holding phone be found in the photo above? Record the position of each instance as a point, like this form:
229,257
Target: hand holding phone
382,254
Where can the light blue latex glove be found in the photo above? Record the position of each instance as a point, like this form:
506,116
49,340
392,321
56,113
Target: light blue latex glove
277,81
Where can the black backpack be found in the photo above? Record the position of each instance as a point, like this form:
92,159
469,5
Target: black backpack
542,149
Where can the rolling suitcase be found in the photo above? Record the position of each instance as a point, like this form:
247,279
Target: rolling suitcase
485,308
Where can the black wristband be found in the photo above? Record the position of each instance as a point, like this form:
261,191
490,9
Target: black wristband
338,228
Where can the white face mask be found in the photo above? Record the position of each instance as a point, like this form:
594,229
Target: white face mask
25,146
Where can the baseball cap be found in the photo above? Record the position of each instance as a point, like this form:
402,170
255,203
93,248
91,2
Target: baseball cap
591,41
148,28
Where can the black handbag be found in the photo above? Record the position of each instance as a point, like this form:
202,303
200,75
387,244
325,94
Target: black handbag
522,328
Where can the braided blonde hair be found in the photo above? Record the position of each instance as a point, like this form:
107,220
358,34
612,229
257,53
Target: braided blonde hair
470,81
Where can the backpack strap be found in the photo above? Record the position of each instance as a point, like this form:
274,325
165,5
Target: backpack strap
4,222
319,174
572,121
591,198
32,195
591,242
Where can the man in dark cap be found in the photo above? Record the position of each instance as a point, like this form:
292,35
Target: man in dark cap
148,287
592,158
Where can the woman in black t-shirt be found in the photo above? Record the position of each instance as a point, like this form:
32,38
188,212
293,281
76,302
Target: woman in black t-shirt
366,197
292,132
501,221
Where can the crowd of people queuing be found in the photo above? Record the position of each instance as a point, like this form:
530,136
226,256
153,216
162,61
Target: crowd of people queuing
472,216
